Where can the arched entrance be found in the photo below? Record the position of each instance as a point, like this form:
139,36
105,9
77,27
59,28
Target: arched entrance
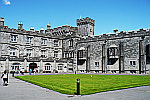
32,66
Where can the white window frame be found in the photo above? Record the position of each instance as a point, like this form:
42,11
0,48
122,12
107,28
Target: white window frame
29,39
97,64
12,52
56,43
13,38
132,62
29,53
43,53
60,67
56,54
43,41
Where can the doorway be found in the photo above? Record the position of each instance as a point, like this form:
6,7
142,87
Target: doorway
32,66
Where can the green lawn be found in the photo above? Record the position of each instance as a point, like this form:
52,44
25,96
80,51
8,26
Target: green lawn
67,83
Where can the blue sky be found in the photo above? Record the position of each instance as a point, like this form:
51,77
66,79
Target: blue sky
123,15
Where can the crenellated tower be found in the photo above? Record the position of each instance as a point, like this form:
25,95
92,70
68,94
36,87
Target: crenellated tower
86,26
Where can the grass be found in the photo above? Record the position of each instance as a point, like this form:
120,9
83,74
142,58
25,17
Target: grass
67,83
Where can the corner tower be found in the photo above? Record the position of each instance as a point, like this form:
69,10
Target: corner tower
86,26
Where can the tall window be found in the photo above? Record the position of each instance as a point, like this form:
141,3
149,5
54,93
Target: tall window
29,39
71,54
29,52
55,43
71,43
43,53
13,38
12,52
80,53
43,42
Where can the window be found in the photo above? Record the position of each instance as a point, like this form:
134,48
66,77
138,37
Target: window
43,42
65,55
60,67
43,53
71,43
47,67
55,53
29,52
12,52
80,54
55,43
13,38
96,64
133,63
113,52
71,54
90,30
29,39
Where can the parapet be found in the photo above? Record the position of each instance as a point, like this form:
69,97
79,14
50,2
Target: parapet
86,20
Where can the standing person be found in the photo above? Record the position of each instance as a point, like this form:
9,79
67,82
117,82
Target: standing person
5,77
34,71
30,71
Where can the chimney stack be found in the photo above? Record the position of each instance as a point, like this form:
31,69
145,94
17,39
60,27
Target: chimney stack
1,21
48,26
32,29
41,30
20,25
115,30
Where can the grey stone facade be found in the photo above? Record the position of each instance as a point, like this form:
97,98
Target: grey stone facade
70,49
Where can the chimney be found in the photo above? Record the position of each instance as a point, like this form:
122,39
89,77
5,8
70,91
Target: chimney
41,30
20,25
1,21
32,29
115,30
48,26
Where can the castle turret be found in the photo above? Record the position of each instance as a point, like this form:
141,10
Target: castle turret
86,26
1,21
20,25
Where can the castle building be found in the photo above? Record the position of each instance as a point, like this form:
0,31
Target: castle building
69,49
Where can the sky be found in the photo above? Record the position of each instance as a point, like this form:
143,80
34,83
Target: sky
123,15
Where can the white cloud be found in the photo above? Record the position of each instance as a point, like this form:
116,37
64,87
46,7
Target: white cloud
6,2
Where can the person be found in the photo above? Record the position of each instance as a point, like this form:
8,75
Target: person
34,71
5,77
30,71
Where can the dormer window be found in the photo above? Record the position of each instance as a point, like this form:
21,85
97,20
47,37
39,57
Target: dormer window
13,38
29,39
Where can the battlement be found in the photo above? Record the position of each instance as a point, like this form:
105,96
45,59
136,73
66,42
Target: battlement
86,20
118,35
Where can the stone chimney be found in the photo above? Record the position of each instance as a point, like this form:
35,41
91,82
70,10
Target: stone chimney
41,30
20,25
1,21
32,29
115,30
48,26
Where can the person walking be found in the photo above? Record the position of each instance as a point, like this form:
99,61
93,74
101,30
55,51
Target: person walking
5,77
30,71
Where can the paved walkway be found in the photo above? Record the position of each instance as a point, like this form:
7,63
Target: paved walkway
20,90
